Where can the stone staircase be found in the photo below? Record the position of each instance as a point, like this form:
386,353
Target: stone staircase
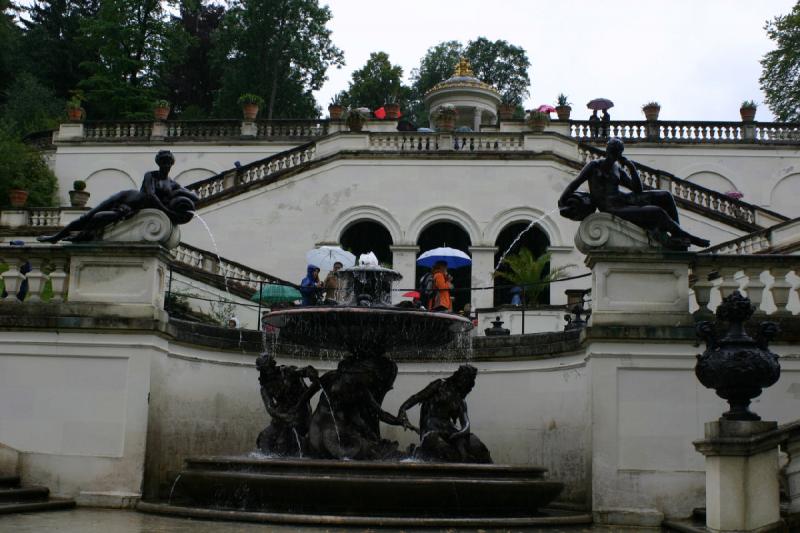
17,499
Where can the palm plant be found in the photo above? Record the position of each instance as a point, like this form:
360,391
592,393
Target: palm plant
531,272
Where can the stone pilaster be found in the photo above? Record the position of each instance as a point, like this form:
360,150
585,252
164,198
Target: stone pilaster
482,270
404,260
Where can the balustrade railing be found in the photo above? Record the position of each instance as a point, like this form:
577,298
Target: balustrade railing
761,241
693,194
432,142
116,131
34,273
687,132
203,129
291,128
44,216
210,129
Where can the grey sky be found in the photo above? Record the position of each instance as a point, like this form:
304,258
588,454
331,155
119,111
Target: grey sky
698,58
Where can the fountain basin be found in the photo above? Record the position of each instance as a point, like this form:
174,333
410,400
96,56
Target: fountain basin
364,492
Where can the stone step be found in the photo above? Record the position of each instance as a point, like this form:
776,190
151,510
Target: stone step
53,504
9,481
23,494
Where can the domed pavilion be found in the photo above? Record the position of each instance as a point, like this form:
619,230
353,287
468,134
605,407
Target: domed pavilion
475,100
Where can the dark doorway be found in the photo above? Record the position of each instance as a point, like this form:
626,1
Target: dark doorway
534,240
368,236
453,236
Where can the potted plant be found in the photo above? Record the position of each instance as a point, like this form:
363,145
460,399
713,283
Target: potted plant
538,120
391,107
250,104
507,107
564,107
651,111
75,111
17,193
444,117
355,117
161,110
336,107
78,196
748,110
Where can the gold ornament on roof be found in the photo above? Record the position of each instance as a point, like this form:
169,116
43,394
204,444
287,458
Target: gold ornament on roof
463,68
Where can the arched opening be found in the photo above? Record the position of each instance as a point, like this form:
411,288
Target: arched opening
368,236
535,240
452,236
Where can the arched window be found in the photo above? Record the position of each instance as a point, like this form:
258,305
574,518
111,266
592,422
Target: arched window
368,236
452,236
534,240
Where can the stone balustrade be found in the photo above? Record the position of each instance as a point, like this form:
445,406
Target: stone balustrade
777,238
688,132
432,142
768,280
117,131
790,444
47,217
44,268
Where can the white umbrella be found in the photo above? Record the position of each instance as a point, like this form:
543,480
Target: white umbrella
325,256
454,258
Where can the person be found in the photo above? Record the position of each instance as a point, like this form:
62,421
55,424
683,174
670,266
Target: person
654,211
442,283
158,191
443,402
606,123
233,323
332,283
311,286
594,121
516,295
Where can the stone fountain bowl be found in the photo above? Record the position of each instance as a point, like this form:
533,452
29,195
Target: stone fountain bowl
358,329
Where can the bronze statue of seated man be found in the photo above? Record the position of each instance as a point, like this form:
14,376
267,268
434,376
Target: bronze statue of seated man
653,210
158,191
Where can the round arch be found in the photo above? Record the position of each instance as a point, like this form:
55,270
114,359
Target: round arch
363,236
527,214
514,236
446,232
362,213
444,214
783,197
712,180
192,175
103,183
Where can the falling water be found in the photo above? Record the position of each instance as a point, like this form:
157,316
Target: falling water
333,416
169,500
299,446
216,249
521,233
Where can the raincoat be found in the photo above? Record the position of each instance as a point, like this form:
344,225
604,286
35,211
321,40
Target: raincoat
441,291
310,286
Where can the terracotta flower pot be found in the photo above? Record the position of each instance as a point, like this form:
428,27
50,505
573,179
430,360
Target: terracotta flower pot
336,112
651,112
250,111
748,114
17,197
355,123
75,114
392,111
506,111
537,125
161,113
78,198
563,112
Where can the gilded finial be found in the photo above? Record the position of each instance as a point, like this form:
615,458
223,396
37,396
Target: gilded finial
463,68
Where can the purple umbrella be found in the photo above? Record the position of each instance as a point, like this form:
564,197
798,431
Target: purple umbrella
545,108
600,104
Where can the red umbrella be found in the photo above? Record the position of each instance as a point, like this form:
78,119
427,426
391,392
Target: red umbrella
380,113
600,104
412,294
545,108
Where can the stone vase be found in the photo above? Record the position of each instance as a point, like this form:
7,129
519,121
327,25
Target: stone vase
651,112
161,113
250,112
17,197
78,198
563,112
336,112
748,114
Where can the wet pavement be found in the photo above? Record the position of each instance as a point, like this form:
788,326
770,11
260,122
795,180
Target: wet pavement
84,520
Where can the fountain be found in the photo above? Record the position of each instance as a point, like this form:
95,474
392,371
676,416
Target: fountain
330,464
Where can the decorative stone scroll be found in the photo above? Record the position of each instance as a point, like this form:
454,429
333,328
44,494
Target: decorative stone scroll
603,231
149,226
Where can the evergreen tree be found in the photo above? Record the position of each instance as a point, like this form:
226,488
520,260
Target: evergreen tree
9,40
30,107
279,50
780,78
377,82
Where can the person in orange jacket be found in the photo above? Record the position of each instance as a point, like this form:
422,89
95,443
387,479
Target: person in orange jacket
442,283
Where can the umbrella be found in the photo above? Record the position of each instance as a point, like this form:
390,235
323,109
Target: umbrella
545,108
380,113
325,256
600,104
454,258
412,294
273,293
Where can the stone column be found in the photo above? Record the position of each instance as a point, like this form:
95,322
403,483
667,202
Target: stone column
404,260
793,472
742,492
482,270
560,256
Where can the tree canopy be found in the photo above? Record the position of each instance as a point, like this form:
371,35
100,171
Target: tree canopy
377,82
780,78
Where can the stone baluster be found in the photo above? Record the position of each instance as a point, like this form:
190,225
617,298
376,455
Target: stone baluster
792,448
702,288
755,287
36,279
780,289
729,282
12,279
58,280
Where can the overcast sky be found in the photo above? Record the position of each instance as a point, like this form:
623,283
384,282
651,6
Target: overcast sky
698,58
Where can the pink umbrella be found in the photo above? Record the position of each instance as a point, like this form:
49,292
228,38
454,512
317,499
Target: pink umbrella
545,108
380,113
734,194
600,104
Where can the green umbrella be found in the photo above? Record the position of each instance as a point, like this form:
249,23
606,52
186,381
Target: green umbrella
271,294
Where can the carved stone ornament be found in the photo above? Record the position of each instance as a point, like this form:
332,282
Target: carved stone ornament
605,231
148,225
737,366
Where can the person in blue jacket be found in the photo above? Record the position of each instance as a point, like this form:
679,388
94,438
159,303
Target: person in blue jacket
311,286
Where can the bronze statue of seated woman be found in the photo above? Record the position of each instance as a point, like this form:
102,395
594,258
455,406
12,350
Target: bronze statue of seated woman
158,191
653,210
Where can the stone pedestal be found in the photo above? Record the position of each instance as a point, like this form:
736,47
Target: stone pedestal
148,225
634,281
741,475
404,260
14,218
70,131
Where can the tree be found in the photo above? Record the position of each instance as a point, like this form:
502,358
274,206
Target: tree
279,50
780,77
9,40
22,166
377,81
30,107
129,37
530,272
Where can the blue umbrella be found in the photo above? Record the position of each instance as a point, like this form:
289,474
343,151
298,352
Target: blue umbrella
454,258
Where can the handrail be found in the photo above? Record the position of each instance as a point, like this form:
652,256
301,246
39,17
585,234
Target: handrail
756,242
687,131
